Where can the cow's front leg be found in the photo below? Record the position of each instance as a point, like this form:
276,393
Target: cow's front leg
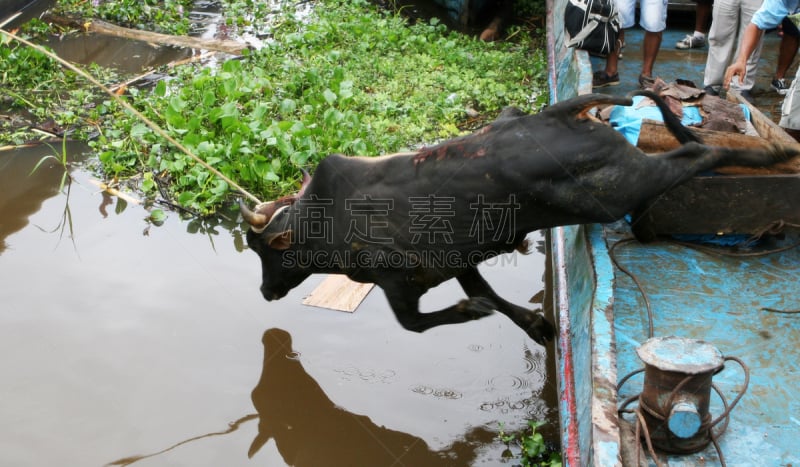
404,300
533,323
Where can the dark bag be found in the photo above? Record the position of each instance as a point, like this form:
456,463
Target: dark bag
592,25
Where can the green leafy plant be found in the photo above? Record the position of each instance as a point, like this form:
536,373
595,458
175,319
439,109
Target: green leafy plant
35,89
21,66
533,450
60,157
336,77
344,78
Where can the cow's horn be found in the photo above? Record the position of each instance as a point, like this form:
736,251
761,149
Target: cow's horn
306,181
258,222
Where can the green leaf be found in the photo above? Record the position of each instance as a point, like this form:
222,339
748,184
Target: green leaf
139,130
330,96
157,216
346,89
177,104
288,107
186,198
148,184
160,89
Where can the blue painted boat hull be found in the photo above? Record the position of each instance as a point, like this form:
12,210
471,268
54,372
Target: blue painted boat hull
602,320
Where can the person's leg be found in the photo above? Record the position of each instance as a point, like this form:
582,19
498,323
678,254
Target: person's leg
747,9
790,110
612,61
722,41
786,54
790,40
609,76
702,17
652,42
503,10
653,20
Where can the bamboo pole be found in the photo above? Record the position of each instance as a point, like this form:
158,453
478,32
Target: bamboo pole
153,126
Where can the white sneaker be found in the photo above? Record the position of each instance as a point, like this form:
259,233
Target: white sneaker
780,86
691,42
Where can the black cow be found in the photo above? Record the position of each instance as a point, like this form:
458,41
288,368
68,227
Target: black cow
408,222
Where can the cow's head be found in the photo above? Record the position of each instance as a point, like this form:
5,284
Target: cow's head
270,236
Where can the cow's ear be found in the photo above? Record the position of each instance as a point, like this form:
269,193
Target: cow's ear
280,240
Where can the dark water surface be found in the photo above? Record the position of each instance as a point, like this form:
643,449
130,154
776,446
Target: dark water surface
126,340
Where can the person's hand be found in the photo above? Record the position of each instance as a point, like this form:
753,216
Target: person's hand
736,69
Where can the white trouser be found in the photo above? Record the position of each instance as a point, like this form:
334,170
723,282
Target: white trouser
728,22
790,111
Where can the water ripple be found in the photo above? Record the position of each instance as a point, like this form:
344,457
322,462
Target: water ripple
533,363
368,375
507,382
438,393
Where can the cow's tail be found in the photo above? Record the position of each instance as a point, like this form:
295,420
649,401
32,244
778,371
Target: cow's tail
578,106
671,121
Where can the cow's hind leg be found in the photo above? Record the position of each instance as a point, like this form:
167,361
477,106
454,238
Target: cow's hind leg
533,323
404,300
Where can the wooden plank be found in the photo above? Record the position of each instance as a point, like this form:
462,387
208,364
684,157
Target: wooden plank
744,201
766,127
338,292
721,205
654,137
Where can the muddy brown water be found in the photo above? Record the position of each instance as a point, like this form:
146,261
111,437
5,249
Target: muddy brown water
121,341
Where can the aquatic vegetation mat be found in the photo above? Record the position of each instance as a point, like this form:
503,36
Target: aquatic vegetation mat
338,78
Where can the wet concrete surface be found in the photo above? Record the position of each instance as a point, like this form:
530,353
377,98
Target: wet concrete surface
121,342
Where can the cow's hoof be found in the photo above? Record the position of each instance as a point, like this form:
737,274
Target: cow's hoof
540,330
477,307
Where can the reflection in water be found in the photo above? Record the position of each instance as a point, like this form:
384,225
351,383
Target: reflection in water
310,430
126,56
232,426
23,189
227,219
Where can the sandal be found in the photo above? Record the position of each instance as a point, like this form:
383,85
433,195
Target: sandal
601,79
